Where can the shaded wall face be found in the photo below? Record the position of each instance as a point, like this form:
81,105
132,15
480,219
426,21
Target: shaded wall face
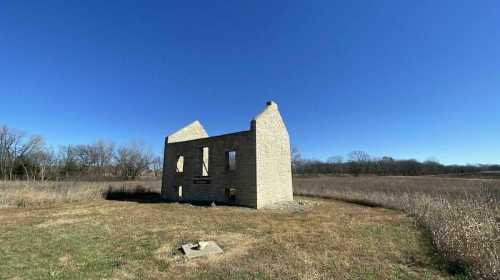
236,186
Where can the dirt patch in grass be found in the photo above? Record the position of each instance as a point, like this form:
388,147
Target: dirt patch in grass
72,212
60,222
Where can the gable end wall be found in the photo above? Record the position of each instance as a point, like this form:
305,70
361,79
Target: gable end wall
274,176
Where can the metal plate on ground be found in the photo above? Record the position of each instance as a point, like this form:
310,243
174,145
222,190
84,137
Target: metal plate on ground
194,250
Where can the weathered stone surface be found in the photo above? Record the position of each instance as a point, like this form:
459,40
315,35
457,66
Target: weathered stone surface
273,159
192,131
262,175
203,248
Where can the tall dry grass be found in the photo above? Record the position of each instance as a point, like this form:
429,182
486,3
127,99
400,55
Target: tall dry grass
38,194
462,216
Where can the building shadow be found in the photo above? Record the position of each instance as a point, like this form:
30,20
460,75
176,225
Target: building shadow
141,194
137,194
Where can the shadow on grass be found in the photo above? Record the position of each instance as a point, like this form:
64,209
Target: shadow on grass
141,194
137,194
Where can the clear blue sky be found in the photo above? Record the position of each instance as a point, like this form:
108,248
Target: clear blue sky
411,79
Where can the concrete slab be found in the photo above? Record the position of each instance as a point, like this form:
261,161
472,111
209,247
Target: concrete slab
203,248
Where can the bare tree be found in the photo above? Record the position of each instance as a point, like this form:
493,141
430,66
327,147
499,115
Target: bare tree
18,154
95,159
336,164
358,162
8,140
132,160
296,159
157,165
359,156
85,158
103,152
67,161
26,154
44,160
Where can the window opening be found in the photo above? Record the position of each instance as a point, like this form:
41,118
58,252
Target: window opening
178,191
231,160
180,164
230,194
204,161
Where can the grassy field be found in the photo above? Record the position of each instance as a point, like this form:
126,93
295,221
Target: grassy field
477,175
134,237
122,230
462,216
140,240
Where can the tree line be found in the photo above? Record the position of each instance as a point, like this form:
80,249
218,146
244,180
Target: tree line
359,162
27,157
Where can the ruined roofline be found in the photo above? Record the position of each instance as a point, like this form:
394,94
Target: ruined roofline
270,105
195,131
191,131
215,136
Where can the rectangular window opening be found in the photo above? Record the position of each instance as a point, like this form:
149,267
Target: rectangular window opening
230,194
204,161
180,164
178,191
231,160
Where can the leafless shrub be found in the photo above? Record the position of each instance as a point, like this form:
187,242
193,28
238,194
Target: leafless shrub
462,216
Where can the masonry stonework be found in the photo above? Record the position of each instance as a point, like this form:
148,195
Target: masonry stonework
249,168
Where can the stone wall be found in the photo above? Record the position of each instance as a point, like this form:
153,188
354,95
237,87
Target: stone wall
263,170
196,187
190,132
274,175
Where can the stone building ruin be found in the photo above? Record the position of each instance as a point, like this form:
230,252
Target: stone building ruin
249,168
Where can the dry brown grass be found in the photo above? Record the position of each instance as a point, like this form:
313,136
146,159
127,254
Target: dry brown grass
106,239
462,216
37,194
